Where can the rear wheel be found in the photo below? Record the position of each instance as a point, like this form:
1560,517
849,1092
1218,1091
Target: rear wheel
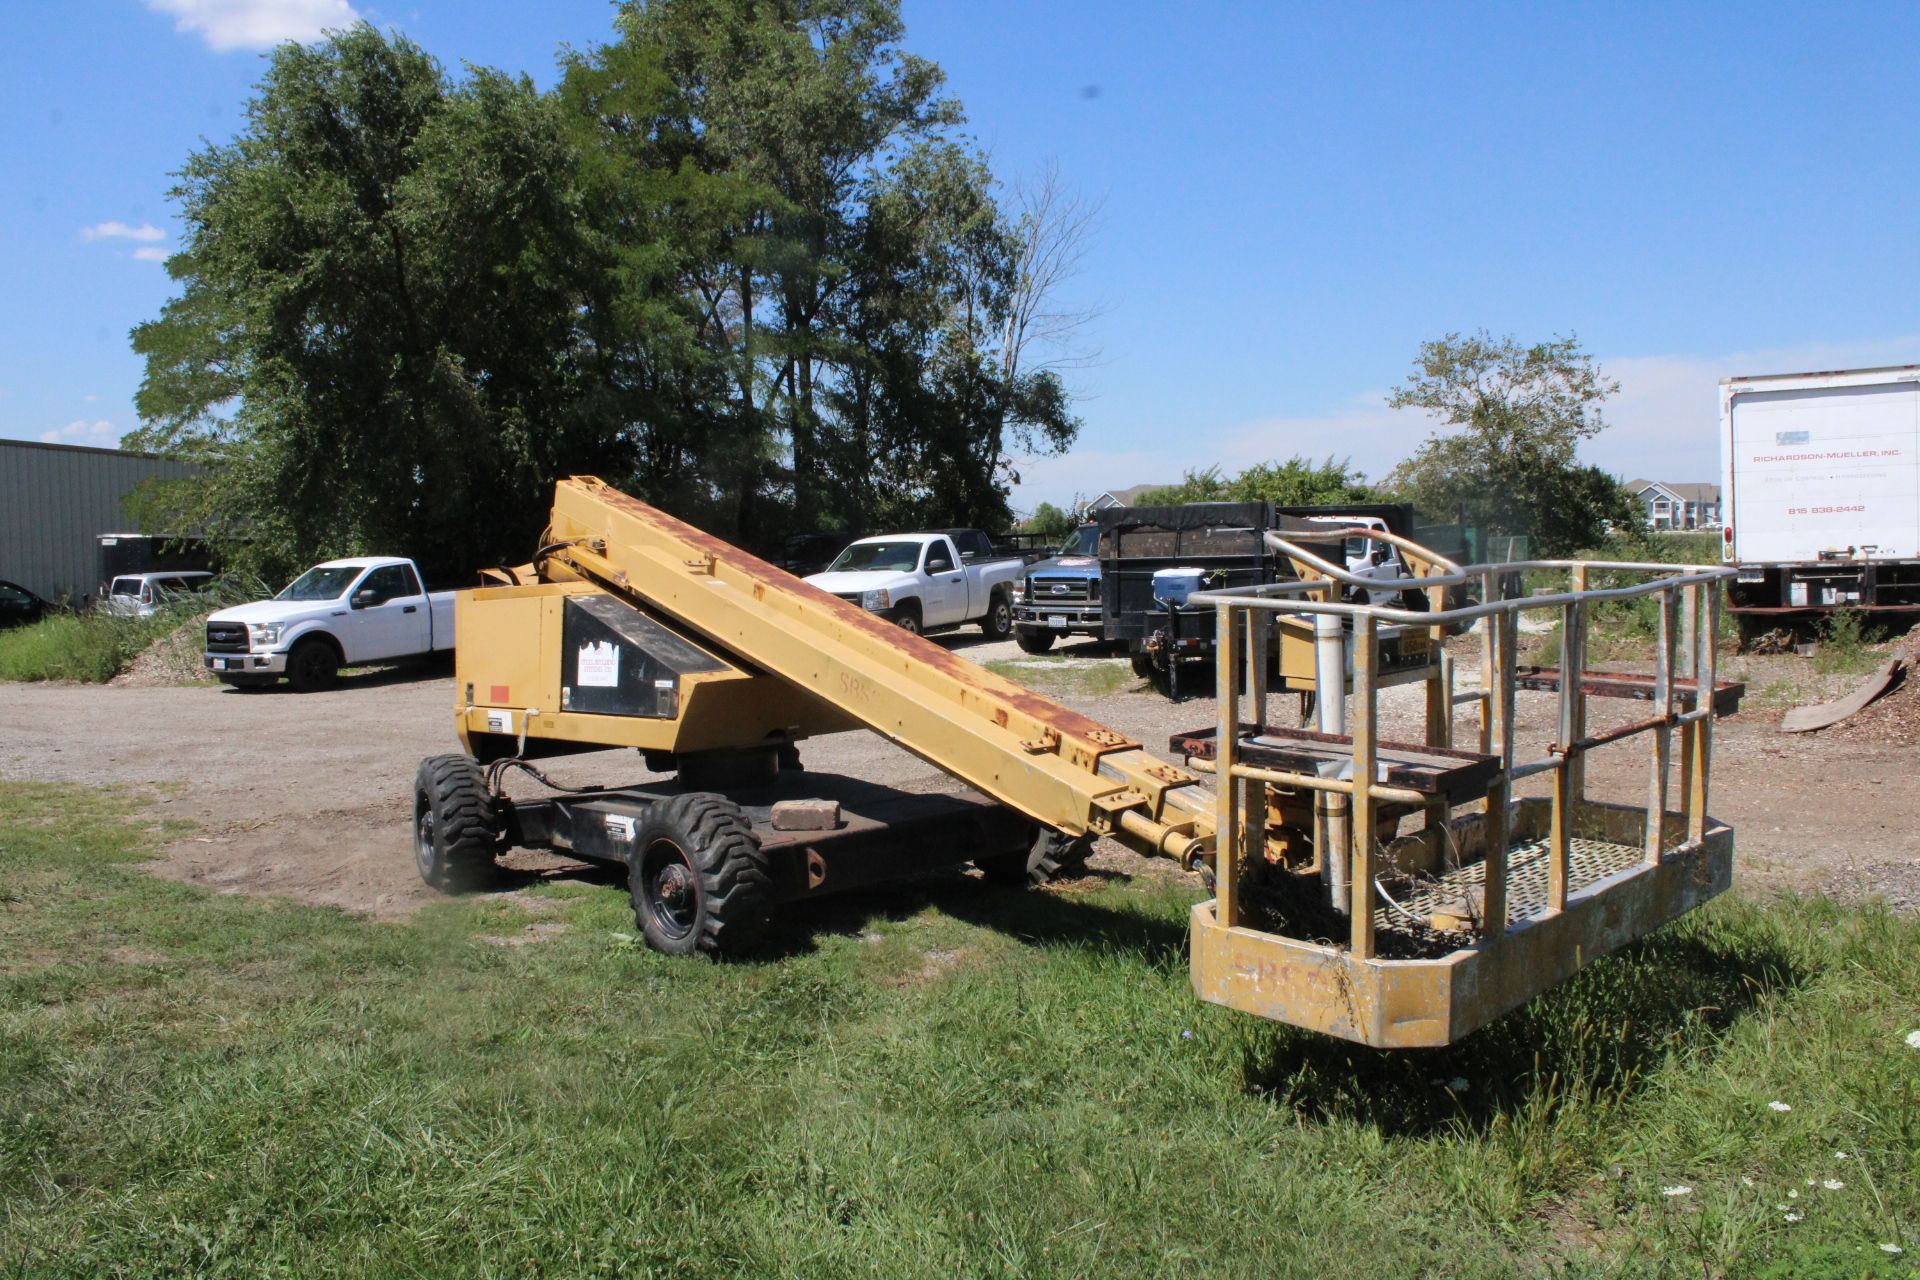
456,832
1034,641
698,878
1052,856
1142,663
998,624
312,666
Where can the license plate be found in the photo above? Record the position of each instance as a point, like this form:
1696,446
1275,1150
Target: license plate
219,664
1056,620
1755,574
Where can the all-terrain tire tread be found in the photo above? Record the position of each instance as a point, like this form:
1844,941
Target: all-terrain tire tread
732,869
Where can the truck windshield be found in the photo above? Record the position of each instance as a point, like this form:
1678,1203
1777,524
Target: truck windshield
901,557
319,583
1083,542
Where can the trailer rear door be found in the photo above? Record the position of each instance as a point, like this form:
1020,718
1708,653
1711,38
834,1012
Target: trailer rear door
1826,469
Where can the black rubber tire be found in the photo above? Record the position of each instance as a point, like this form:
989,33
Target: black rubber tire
456,829
907,617
1142,663
1052,856
312,666
698,880
998,624
1033,641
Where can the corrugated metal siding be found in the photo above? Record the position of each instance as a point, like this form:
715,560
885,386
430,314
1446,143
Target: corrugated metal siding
55,500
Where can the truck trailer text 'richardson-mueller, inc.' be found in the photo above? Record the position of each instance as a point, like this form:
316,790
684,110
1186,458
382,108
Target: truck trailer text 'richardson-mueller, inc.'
1822,494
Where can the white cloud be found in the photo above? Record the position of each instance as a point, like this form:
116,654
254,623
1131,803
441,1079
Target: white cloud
150,253
1664,424
80,431
121,231
255,24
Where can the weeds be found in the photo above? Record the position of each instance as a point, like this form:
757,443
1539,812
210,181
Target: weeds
95,646
1842,648
1066,677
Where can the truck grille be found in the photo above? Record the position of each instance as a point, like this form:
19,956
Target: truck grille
853,598
226,637
1045,591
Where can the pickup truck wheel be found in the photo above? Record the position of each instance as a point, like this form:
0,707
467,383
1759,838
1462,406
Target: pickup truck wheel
907,618
698,878
1052,856
312,666
456,831
1033,641
998,624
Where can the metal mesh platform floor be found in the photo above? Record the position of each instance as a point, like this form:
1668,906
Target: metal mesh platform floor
1459,892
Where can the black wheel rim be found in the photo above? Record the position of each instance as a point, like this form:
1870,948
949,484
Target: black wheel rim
671,888
423,837
312,665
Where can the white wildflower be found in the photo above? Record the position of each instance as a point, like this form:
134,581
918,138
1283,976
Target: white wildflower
1892,1248
1841,1155
1676,1191
1913,1039
1793,1193
1745,1181
1778,1105
1833,1184
1459,1084
1796,1217
1783,1207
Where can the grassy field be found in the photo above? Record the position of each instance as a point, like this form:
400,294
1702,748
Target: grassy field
943,1080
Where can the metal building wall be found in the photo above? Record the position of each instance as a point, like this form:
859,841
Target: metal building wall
55,500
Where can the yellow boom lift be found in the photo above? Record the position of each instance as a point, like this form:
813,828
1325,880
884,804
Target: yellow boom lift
633,629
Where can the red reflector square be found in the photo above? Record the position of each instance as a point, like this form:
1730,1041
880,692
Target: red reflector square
500,693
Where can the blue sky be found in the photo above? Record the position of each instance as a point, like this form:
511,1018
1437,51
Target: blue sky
1291,198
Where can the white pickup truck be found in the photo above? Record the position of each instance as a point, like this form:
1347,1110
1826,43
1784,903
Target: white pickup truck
928,581
341,613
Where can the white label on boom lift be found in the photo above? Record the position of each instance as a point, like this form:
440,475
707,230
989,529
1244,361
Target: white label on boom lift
599,666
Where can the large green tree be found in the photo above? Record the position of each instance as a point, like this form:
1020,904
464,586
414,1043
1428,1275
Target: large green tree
377,341
1509,461
851,270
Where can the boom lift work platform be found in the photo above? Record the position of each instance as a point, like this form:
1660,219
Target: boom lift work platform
633,629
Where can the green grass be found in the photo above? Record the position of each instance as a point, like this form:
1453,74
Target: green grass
939,1080
1066,677
94,647
89,647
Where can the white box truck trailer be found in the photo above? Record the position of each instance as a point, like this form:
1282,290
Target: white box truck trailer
1821,487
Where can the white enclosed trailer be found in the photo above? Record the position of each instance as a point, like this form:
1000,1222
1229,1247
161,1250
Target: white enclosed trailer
1821,489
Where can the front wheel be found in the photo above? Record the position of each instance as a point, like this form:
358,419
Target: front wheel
1053,855
998,624
456,831
698,879
907,618
312,666
1034,641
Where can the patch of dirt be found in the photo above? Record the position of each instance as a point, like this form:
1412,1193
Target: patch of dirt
308,797
538,931
173,659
